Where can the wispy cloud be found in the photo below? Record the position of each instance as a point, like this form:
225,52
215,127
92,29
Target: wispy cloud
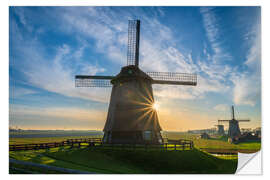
158,52
247,85
213,32
221,107
54,75
16,92
98,40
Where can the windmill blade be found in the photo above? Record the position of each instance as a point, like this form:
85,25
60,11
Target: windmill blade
232,112
133,42
222,120
173,78
243,120
93,81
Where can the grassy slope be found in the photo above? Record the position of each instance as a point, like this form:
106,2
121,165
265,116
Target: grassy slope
124,161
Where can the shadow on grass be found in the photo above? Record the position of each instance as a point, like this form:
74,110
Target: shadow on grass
112,161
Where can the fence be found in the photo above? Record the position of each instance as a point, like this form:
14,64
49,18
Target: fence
167,144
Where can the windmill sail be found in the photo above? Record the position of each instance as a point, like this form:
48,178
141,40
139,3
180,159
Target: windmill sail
225,120
243,120
93,81
133,42
173,78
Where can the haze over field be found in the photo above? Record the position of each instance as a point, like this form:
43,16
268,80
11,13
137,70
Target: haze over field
50,45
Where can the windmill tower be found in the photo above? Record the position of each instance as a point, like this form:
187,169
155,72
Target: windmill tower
234,130
131,117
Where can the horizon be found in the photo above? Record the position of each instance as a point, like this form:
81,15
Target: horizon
48,50
102,130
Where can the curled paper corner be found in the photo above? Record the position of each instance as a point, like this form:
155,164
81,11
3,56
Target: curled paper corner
249,163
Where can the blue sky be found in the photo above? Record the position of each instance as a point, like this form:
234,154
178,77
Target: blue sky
50,45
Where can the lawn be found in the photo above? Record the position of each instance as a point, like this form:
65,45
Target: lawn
45,139
213,143
101,160
35,136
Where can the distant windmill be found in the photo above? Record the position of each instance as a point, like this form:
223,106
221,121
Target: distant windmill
220,129
234,130
132,117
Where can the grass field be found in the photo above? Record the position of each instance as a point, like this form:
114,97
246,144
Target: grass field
131,162
35,136
213,143
45,139
127,161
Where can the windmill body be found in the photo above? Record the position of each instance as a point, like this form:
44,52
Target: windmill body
131,117
234,130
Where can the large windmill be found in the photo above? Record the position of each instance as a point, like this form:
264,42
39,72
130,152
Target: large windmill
132,117
234,130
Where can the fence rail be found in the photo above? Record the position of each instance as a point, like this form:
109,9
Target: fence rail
167,144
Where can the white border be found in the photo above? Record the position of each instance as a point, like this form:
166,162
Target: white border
4,75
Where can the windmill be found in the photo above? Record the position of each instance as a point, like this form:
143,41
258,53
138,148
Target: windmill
234,130
220,128
132,117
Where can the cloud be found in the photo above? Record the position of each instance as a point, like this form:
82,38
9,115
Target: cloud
103,30
16,92
246,89
107,30
213,32
247,85
221,107
212,72
54,75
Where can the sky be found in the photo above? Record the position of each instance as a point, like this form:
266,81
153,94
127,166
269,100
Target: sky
48,46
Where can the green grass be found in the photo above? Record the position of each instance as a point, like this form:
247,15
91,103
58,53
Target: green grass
45,139
214,143
131,162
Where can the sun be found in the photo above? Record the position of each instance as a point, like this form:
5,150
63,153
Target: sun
155,106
